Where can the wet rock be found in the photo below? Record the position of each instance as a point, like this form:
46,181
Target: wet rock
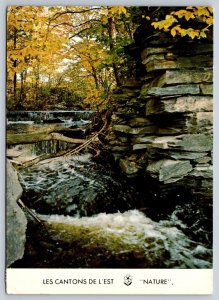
128,167
75,186
16,220
168,171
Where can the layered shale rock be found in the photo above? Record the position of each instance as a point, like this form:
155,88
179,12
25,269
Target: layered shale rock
163,116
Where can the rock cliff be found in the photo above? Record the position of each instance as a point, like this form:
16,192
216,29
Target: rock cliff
163,116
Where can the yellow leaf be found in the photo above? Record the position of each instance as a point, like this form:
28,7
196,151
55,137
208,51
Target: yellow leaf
210,8
104,20
173,31
118,10
168,17
209,20
155,24
183,32
148,18
189,15
203,34
192,33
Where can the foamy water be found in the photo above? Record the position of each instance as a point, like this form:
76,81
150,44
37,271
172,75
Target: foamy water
132,231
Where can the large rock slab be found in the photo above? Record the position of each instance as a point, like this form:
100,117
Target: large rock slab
185,76
180,105
168,171
139,122
186,142
143,139
16,220
186,50
192,89
198,61
178,154
205,171
134,131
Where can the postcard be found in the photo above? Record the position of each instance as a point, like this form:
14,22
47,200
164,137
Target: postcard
109,150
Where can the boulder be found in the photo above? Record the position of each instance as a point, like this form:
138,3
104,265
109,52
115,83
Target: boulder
16,220
168,171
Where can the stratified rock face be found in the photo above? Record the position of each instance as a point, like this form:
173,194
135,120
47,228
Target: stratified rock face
16,220
167,122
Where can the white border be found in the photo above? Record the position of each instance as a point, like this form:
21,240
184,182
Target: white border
110,281
3,5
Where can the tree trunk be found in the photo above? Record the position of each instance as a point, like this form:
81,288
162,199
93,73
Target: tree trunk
15,65
47,134
111,45
94,73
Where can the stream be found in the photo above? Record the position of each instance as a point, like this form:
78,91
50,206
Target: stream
93,217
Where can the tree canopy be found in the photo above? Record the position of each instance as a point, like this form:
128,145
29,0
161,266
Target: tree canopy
74,56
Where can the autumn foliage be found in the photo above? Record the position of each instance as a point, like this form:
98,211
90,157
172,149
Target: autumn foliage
73,57
176,25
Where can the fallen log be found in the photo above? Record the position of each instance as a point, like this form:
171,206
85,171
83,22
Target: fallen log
47,134
28,138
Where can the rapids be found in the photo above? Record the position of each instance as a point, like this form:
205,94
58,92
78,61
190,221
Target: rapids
92,217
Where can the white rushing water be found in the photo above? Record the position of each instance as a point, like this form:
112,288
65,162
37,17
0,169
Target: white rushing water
133,231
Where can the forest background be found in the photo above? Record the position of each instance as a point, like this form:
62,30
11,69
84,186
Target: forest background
73,57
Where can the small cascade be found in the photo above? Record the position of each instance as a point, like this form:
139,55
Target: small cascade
47,147
93,216
67,117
